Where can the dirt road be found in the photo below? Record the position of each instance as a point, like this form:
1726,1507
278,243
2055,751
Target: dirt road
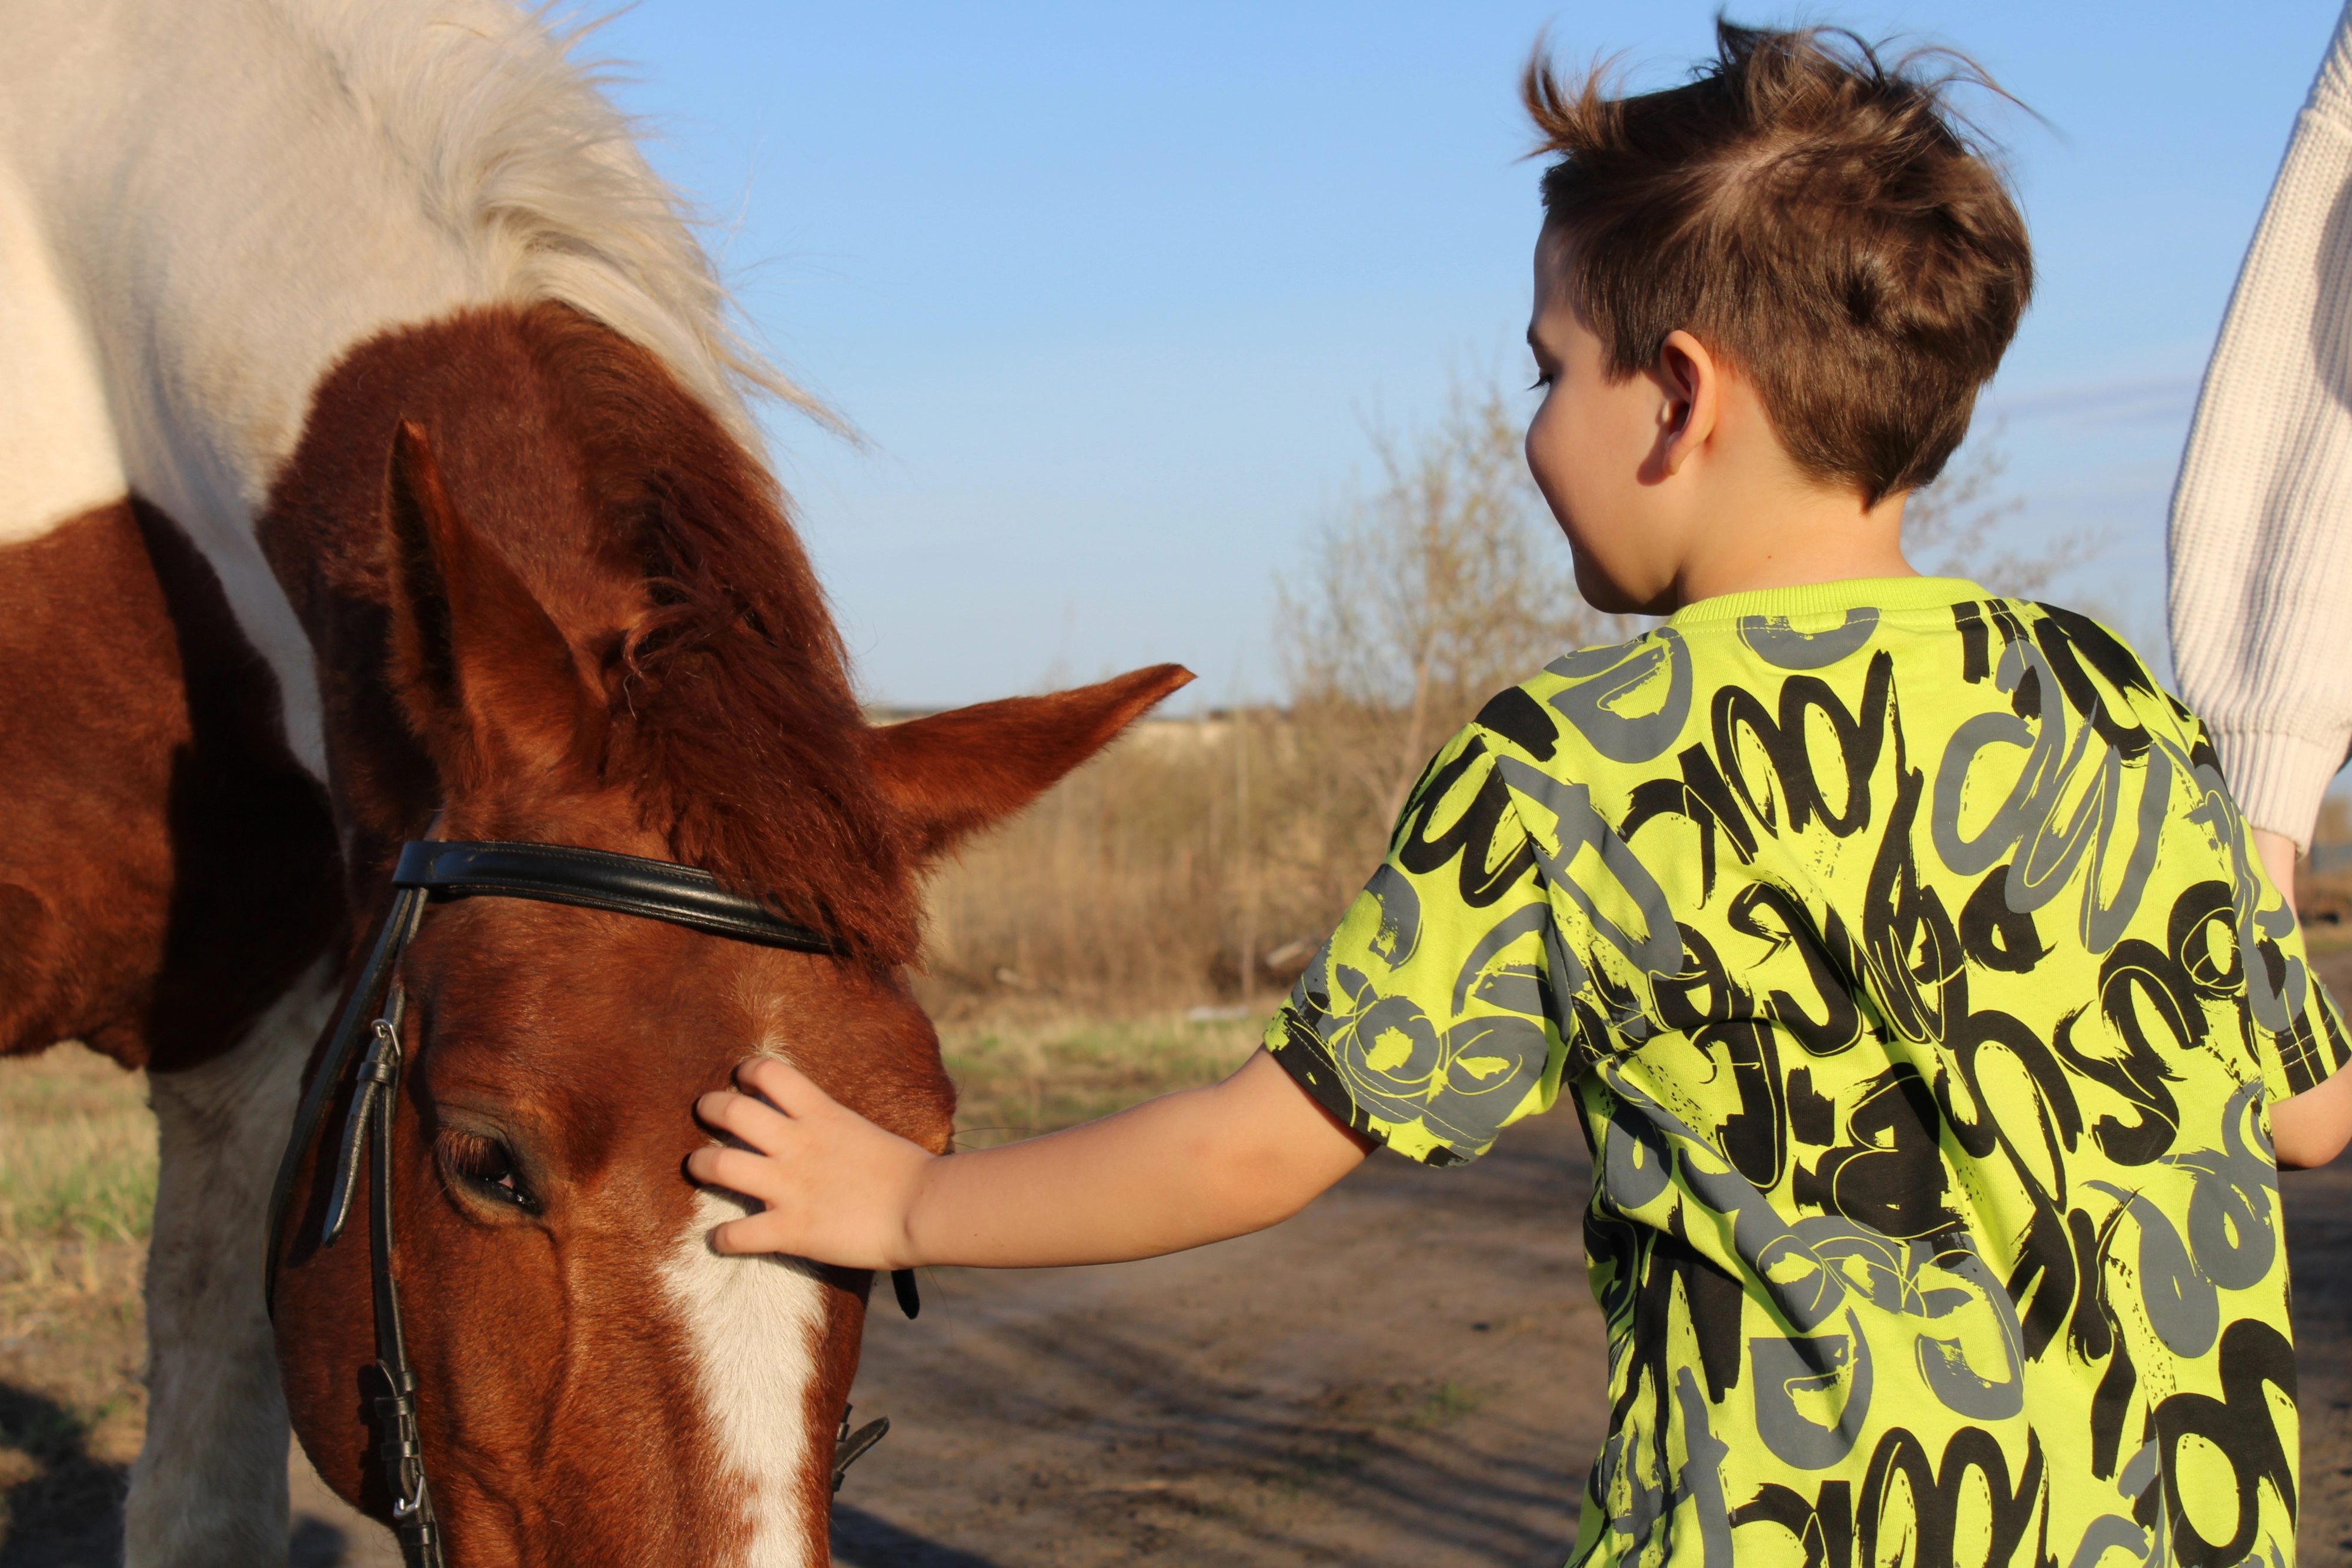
1311,1395
1410,1373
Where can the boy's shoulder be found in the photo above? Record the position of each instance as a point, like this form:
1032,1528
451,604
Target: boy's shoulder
1762,667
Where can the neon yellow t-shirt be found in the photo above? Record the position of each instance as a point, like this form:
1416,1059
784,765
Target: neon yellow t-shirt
1922,998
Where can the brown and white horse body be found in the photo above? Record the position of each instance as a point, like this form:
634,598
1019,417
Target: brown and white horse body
203,208
372,443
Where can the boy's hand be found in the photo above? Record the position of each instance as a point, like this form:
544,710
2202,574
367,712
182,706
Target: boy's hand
1190,1167
839,1188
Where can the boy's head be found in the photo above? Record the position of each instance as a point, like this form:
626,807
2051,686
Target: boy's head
1811,216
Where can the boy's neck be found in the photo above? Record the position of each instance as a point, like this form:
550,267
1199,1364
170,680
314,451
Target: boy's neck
1792,539
1747,517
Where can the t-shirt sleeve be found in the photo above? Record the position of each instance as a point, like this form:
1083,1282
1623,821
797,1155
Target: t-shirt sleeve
2299,1035
1430,1019
2288,1018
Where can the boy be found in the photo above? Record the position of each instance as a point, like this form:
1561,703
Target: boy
1930,1024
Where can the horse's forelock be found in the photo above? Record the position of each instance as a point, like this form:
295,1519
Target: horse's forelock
736,724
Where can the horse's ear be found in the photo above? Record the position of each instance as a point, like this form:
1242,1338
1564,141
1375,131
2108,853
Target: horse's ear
484,677
952,773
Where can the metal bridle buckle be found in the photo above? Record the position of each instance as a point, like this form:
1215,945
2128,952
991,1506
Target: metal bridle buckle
849,1446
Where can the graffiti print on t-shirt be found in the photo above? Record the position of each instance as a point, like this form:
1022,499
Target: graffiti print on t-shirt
1921,996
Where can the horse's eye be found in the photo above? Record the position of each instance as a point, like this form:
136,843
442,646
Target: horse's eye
483,1165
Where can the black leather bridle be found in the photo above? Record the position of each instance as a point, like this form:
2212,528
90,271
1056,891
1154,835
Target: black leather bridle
430,869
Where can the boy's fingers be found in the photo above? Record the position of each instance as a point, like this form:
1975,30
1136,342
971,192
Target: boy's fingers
734,1169
762,1127
704,1166
729,1239
752,1233
787,1086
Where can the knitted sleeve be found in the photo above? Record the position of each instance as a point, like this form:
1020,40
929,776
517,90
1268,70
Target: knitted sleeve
2261,540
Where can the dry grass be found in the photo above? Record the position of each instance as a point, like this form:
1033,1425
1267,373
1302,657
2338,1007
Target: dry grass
1137,885
1025,1070
77,1183
77,1191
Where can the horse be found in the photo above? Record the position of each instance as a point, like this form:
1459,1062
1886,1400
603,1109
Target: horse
376,462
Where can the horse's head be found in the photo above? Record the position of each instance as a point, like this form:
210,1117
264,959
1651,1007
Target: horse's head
579,657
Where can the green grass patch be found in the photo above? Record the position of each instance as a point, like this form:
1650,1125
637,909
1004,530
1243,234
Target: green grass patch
76,1150
1017,1077
1442,1406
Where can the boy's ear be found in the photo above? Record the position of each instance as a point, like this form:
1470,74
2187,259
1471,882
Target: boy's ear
953,773
1691,381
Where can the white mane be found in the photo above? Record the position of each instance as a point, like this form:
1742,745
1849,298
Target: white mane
525,163
207,205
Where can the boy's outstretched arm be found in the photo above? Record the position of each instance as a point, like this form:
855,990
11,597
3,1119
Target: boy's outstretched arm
1176,1172
2310,1129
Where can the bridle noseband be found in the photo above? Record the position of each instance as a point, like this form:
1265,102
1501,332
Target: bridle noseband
550,873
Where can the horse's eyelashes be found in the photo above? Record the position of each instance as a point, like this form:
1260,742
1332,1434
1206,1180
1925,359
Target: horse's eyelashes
485,1164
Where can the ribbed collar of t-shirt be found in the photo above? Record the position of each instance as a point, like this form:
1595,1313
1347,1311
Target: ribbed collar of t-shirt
1831,598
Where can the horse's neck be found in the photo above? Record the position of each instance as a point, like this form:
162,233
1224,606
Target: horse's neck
204,208
221,221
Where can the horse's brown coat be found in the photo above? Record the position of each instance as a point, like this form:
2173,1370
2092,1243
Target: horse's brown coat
660,549
165,873
551,598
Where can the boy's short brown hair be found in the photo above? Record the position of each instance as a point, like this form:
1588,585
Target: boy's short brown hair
1811,215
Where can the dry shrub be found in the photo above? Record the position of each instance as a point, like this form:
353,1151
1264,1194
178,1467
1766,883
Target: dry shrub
1449,582
1956,528
1136,882
1210,857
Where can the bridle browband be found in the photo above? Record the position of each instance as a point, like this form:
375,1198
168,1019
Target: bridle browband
548,874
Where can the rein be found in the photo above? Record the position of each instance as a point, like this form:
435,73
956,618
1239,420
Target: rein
550,873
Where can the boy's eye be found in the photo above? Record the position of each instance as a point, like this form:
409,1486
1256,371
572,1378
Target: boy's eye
484,1165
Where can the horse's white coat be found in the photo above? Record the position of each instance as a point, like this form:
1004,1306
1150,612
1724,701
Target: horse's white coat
58,457
203,207
754,1324
209,1488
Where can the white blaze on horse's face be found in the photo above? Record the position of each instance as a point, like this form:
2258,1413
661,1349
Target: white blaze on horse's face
754,1326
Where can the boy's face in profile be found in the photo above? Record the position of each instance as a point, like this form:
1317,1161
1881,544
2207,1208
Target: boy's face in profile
1592,446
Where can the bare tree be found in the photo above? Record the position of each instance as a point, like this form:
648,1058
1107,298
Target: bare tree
1446,583
1952,527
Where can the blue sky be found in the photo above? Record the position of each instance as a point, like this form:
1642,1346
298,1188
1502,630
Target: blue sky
1112,291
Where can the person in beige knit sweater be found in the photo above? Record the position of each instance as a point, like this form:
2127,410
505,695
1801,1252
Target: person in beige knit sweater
2260,545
